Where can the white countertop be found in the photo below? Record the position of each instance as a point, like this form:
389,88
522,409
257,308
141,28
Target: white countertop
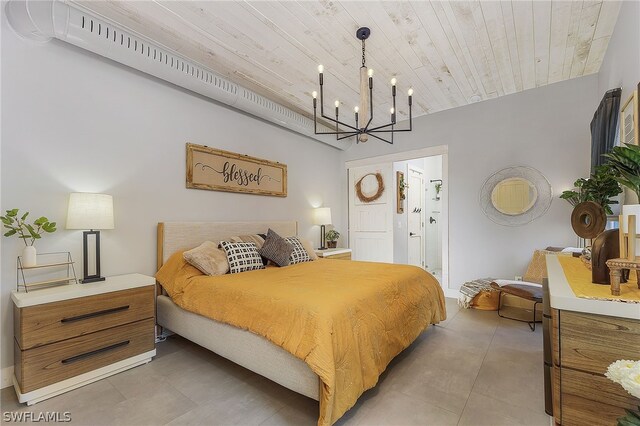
74,291
562,297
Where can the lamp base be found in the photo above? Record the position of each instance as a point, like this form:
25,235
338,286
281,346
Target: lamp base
94,279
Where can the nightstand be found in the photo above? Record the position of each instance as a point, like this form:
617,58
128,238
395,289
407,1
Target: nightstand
335,253
73,335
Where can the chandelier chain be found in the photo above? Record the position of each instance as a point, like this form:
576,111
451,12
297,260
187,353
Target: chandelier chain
363,63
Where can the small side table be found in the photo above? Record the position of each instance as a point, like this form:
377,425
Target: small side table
616,266
335,253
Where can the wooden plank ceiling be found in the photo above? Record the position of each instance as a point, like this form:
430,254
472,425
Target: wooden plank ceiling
451,53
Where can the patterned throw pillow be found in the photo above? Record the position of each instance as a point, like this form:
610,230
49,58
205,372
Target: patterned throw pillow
299,254
258,239
276,249
242,256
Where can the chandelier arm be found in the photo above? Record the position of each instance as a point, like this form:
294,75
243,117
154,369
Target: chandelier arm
383,140
374,129
333,120
390,131
349,134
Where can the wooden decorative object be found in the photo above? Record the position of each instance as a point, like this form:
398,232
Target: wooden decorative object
629,122
370,198
588,219
400,195
616,266
218,170
628,240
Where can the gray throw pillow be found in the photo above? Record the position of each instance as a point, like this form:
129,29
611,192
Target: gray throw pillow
276,249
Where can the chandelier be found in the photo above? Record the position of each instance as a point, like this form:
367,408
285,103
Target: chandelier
363,112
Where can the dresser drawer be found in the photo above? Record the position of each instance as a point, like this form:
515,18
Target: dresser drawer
592,399
52,322
591,342
45,365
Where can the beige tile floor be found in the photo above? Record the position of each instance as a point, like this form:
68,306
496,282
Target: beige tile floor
473,369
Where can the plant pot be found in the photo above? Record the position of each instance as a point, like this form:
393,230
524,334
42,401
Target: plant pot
332,244
28,256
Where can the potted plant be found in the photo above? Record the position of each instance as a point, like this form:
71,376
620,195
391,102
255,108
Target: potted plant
600,187
625,163
332,238
28,232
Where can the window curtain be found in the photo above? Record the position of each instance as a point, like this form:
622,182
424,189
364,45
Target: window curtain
604,126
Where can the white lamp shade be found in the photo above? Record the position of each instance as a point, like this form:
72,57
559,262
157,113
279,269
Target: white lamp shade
322,216
90,211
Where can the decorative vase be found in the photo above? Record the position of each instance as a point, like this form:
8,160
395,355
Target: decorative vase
28,256
332,244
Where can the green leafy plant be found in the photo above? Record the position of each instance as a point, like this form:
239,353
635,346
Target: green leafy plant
28,232
600,187
332,235
631,419
625,162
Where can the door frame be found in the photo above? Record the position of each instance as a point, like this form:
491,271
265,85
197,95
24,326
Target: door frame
423,254
444,216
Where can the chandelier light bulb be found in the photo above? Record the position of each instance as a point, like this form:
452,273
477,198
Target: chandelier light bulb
393,81
314,94
392,110
370,72
337,103
356,109
410,92
320,69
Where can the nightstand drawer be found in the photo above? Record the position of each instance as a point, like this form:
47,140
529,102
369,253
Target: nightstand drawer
341,256
52,322
45,365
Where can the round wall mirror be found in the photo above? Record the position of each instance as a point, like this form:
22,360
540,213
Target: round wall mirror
514,196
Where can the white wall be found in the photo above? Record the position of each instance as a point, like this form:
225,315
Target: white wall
546,128
72,121
621,64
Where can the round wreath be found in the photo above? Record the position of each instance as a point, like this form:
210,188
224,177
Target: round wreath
374,197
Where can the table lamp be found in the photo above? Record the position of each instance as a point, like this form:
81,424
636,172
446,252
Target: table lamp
322,217
92,212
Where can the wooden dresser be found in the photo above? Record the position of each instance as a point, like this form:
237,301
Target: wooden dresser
69,336
586,336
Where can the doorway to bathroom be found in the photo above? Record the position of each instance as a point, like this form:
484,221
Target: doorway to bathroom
407,223
418,226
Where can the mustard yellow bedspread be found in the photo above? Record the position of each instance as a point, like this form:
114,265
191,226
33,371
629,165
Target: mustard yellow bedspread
347,320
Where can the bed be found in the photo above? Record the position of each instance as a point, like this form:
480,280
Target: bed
334,312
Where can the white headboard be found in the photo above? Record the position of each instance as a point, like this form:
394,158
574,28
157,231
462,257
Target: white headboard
174,236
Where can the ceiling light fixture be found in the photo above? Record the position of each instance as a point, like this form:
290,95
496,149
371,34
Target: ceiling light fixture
363,113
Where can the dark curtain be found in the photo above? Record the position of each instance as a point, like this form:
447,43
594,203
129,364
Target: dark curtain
604,126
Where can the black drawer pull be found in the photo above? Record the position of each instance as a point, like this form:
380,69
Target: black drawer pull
95,314
96,352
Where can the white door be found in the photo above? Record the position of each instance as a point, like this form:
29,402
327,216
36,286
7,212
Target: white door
371,223
415,216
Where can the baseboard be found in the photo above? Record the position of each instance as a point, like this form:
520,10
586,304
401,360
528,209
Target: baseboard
6,377
453,293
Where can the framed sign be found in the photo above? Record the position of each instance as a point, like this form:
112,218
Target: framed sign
629,120
218,170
